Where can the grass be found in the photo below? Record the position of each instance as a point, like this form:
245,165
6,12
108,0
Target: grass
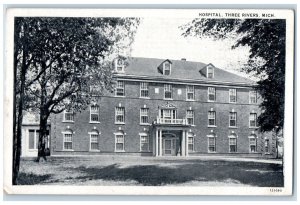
150,171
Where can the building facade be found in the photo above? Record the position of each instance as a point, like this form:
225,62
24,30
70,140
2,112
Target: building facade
163,107
30,135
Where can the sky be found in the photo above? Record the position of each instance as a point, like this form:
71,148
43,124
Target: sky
161,38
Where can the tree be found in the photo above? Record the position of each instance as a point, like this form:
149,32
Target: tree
266,40
22,61
67,56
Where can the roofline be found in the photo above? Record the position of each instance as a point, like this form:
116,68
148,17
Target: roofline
182,81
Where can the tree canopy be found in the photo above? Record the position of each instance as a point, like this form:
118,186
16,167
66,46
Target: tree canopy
68,55
266,40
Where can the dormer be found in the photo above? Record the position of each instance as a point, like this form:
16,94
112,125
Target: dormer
165,67
119,65
208,71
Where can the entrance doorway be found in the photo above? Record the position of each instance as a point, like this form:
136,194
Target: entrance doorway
170,145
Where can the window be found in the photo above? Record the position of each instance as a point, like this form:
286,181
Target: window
120,115
119,146
144,143
210,72
252,97
211,94
211,118
190,117
144,87
144,116
252,144
232,144
267,146
120,89
68,141
211,143
33,139
168,114
190,92
232,119
94,139
168,91
253,120
190,142
119,65
167,68
94,113
232,95
68,116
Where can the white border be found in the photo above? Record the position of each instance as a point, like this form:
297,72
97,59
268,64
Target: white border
112,190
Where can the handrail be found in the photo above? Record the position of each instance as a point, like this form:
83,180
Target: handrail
171,121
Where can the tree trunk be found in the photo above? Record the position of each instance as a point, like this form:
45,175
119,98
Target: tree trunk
17,136
43,118
42,136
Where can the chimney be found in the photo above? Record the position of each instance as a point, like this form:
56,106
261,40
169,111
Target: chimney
183,59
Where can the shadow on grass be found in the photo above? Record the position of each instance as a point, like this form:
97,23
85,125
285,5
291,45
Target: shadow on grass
32,179
254,174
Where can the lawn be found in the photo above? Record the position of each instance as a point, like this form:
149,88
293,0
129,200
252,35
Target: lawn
150,171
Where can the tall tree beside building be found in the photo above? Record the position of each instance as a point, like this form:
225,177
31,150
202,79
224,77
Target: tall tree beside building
66,57
266,40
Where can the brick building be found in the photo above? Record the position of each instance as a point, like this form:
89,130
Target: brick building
167,107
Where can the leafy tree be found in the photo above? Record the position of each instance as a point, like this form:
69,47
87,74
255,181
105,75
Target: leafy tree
66,57
266,40
22,60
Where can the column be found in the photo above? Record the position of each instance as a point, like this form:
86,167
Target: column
156,143
160,143
183,143
186,144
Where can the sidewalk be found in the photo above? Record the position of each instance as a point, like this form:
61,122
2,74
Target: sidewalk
177,158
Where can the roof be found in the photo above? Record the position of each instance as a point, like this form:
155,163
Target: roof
181,69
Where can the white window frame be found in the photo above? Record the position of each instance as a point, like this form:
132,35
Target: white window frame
120,133
121,86
268,145
95,112
207,71
35,140
98,137
250,138
68,112
118,113
64,140
232,137
144,86
117,65
234,114
212,136
211,93
164,68
142,114
252,93
190,89
208,116
190,114
148,142
232,92
168,88
255,120
191,135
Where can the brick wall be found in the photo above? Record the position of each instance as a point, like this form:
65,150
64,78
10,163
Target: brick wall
132,103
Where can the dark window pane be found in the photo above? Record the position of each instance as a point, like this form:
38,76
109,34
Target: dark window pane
31,139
